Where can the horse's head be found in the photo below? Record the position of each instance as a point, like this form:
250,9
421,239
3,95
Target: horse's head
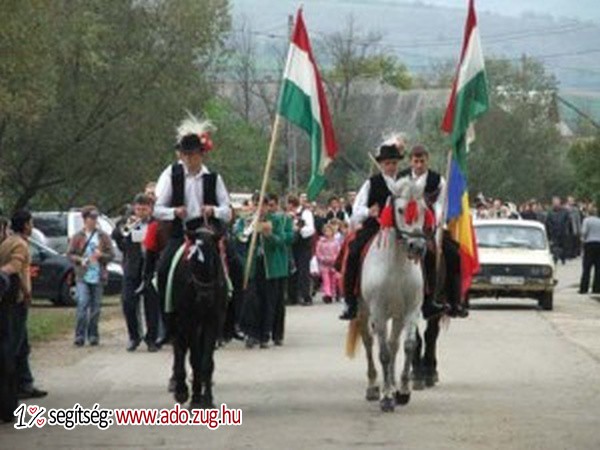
202,256
410,213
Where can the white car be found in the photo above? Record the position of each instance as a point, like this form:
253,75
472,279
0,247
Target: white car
515,261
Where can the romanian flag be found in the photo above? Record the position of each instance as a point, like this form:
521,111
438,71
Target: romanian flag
303,103
468,100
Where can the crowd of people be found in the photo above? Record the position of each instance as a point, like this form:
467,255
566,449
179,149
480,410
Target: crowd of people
302,248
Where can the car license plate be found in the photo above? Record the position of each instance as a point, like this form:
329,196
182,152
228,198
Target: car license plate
511,281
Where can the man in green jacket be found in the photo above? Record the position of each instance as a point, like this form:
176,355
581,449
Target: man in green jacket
269,269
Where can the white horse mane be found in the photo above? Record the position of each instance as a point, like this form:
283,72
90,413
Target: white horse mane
405,187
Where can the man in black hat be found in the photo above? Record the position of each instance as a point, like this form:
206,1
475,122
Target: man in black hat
369,202
434,183
188,195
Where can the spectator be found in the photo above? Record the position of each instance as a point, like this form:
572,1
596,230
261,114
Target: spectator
335,210
557,226
574,236
90,250
590,233
349,204
15,263
304,230
327,252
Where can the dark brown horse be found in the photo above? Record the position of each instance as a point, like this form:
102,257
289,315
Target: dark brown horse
200,299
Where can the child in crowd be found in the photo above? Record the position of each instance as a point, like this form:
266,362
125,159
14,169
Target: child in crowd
327,251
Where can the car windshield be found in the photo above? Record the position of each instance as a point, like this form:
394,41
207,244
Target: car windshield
51,225
501,236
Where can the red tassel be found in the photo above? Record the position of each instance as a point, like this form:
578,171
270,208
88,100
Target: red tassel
429,219
411,214
386,217
151,238
206,141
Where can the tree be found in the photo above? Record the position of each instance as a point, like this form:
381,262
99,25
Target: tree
519,153
121,75
585,157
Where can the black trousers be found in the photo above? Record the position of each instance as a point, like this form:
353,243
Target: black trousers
591,258
130,309
279,309
234,307
299,282
351,274
259,305
452,278
8,369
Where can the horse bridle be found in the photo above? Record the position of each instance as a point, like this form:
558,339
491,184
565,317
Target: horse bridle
403,234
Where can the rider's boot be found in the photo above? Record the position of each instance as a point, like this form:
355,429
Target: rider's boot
351,308
432,308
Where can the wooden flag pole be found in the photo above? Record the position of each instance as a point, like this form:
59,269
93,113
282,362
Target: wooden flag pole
263,189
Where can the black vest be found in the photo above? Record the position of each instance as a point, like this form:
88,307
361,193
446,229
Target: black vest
432,184
378,192
209,191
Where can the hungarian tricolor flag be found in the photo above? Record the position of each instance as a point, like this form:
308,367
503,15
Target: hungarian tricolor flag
468,100
302,102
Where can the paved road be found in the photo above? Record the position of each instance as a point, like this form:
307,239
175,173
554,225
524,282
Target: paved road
511,377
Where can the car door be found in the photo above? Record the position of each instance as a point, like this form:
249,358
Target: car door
47,270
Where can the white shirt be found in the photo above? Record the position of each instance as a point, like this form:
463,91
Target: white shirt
360,208
193,196
590,230
438,206
309,223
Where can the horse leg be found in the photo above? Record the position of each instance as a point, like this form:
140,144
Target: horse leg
367,339
181,393
393,344
417,364
195,362
207,364
410,344
429,360
387,402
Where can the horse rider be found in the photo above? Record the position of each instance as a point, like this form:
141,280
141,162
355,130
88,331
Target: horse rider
189,196
434,184
370,201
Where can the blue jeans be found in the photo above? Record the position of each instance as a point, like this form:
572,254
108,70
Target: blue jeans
89,297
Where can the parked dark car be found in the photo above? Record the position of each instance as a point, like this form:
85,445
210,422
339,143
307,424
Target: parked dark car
53,277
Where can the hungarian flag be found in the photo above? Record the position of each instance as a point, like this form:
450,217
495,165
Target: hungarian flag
303,102
468,100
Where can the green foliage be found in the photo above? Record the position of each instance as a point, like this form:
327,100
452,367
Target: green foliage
384,68
240,149
518,152
585,156
113,78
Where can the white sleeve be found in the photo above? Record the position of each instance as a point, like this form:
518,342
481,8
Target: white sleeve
223,211
309,224
584,229
164,191
438,206
360,209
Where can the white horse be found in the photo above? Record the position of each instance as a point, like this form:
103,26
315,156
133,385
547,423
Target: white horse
392,288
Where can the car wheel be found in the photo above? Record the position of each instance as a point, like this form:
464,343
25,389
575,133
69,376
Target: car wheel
67,292
546,301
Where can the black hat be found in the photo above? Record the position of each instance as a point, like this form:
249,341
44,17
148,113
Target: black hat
189,143
388,151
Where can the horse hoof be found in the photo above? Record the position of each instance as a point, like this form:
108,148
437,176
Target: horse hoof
387,404
431,380
373,393
181,395
401,399
418,384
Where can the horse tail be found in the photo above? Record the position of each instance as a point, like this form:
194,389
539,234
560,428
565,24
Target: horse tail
353,335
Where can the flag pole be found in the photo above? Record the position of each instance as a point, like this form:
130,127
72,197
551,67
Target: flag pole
440,229
263,189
